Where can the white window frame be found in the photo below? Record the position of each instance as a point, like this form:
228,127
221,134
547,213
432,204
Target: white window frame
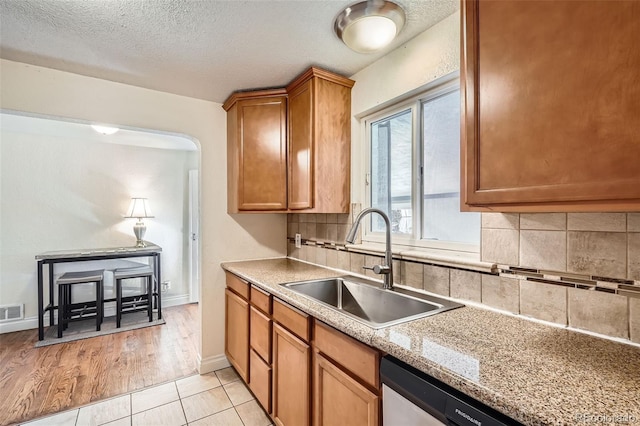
412,101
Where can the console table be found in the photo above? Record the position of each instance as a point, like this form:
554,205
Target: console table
65,256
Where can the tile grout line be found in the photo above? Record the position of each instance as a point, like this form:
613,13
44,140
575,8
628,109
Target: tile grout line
238,414
234,406
213,414
181,405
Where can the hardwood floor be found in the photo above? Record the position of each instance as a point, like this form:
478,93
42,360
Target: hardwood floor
39,381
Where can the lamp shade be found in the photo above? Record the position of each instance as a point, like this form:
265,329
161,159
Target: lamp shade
105,130
139,208
370,25
369,33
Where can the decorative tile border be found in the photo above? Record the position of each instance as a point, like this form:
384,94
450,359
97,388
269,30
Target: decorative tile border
585,282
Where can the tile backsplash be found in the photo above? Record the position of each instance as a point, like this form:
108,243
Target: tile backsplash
575,269
601,244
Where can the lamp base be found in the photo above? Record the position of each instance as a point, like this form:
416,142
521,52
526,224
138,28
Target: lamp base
139,230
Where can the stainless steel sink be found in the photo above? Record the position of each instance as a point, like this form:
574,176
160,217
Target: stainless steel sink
367,302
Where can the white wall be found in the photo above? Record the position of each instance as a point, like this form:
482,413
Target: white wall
62,193
425,58
223,237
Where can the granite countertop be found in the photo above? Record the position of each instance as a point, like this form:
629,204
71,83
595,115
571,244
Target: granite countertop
534,373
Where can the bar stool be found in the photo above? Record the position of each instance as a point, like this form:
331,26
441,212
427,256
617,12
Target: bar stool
137,302
67,310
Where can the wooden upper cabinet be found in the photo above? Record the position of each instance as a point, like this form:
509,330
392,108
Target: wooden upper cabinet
320,142
291,158
301,147
550,101
257,151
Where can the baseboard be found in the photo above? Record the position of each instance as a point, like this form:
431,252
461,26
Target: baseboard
212,363
23,324
182,299
32,322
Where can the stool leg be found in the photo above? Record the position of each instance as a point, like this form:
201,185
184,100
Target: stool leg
98,304
102,301
149,281
158,297
61,308
118,302
67,306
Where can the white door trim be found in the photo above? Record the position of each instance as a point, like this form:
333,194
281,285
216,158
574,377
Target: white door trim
194,237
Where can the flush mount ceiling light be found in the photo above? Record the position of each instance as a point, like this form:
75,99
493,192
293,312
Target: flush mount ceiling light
369,25
105,130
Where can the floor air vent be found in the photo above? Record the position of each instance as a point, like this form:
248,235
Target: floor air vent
11,312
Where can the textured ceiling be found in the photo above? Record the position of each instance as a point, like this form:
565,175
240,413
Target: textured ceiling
199,48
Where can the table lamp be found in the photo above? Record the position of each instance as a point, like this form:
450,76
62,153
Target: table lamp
139,209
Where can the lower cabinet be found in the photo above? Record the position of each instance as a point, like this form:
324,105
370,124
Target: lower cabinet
339,399
237,333
300,370
346,379
291,379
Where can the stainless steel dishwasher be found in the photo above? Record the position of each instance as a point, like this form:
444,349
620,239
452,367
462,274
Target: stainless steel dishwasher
413,398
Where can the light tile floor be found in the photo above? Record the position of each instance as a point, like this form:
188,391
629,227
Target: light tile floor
215,399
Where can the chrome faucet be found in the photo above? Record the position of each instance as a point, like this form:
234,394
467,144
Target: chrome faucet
386,270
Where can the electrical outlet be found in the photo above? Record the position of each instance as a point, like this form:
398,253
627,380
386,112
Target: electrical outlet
298,240
166,285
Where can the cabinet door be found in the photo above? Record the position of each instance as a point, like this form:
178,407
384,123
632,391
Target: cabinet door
550,101
262,154
341,400
301,172
236,338
291,379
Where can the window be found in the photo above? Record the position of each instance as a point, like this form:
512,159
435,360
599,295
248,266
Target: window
414,172
391,165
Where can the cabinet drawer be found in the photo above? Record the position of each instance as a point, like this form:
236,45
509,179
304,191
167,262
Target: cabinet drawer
294,320
261,334
261,299
238,285
355,356
260,381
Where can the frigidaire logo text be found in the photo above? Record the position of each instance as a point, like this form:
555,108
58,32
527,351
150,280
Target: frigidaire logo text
468,417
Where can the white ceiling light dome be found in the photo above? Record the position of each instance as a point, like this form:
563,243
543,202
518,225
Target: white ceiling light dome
105,130
370,25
